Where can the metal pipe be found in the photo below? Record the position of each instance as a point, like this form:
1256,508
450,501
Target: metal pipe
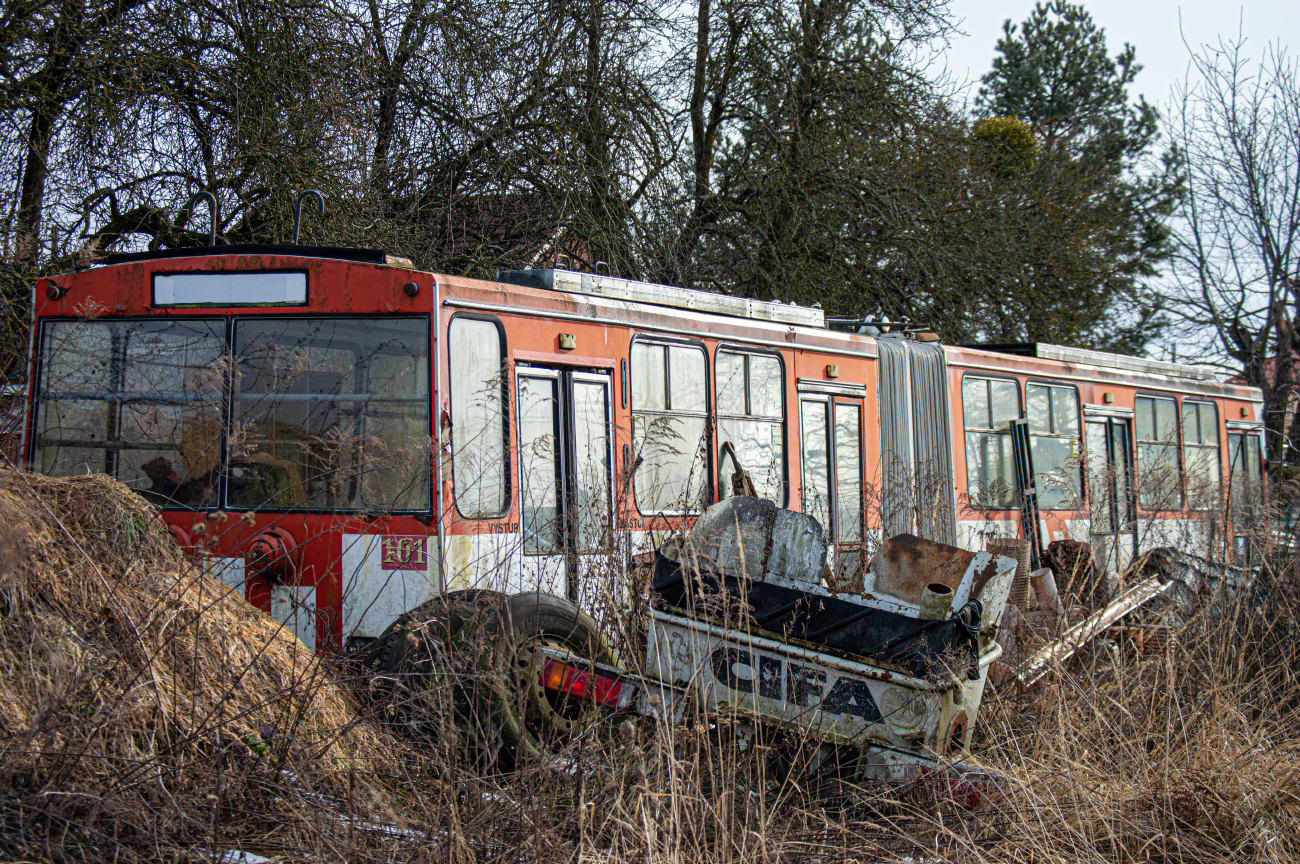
1045,590
990,656
1080,634
214,209
297,210
936,600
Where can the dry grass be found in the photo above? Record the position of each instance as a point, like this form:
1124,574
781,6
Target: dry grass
1188,756
148,713
142,704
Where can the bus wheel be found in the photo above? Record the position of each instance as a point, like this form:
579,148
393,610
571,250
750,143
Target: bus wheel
532,720
424,667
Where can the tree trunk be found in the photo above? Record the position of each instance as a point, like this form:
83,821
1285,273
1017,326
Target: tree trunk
45,112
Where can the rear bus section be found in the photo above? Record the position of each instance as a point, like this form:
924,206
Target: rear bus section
1125,454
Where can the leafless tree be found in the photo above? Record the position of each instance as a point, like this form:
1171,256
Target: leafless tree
1237,273
759,147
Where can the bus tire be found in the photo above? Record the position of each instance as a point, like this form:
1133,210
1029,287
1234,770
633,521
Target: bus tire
423,675
524,720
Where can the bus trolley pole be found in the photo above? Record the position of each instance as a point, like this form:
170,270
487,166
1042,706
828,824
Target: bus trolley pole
1024,462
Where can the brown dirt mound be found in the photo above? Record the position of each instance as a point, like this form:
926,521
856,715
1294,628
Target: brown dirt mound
143,705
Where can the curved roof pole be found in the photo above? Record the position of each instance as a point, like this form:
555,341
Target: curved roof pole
741,482
297,210
214,210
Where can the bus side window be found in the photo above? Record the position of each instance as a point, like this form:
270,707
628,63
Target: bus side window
1156,425
751,417
1201,454
669,427
480,467
1053,415
989,405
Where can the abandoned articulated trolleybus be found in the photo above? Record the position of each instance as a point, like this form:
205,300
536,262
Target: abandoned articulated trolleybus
342,438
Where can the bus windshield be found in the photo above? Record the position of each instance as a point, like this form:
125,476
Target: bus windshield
323,413
140,401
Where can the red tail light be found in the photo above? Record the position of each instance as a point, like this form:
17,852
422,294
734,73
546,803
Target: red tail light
592,686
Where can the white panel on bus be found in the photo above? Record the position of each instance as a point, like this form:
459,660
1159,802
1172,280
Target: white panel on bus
384,576
228,570
295,607
974,534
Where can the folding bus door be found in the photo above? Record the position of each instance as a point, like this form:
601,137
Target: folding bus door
831,457
1247,497
564,481
1110,495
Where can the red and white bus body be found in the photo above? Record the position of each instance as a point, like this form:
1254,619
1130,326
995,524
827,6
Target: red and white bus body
290,399
1162,443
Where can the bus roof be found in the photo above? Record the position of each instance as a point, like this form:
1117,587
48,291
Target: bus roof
1089,357
573,282
647,304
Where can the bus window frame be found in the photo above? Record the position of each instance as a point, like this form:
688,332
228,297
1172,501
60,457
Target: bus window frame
710,416
961,398
275,313
743,348
1176,398
507,408
1078,404
38,374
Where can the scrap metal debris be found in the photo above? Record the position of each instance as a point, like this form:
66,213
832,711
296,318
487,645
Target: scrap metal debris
1062,648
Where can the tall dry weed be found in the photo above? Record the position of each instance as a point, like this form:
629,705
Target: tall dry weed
145,708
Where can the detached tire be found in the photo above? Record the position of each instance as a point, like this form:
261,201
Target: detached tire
424,666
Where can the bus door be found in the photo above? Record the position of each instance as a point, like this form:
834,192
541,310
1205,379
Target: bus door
1110,494
831,492
1246,490
564,480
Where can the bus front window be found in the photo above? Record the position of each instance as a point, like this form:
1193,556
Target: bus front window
140,401
330,414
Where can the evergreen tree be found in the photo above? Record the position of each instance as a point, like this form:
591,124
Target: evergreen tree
1098,187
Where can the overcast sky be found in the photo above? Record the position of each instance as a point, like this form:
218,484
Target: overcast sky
1151,26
